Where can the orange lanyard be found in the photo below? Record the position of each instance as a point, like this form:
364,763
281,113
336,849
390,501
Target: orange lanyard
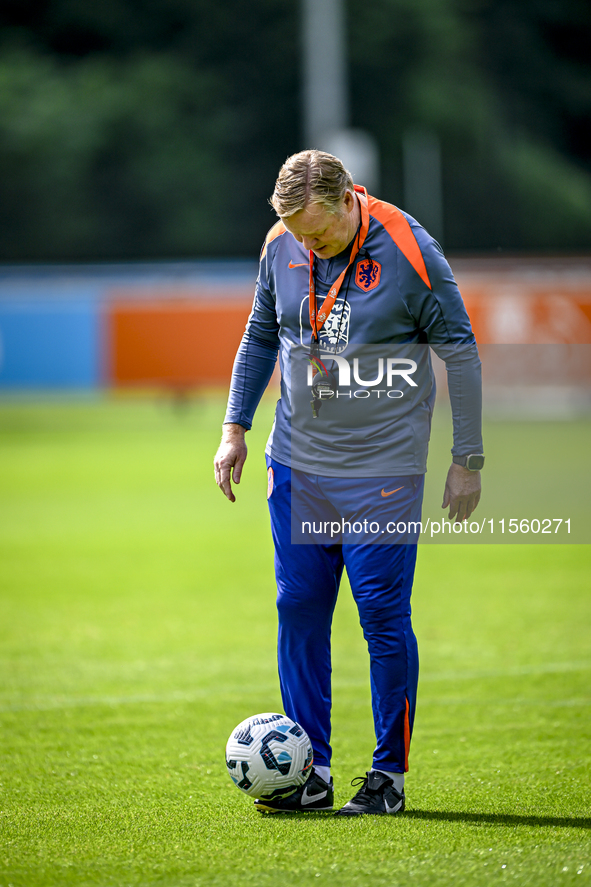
317,318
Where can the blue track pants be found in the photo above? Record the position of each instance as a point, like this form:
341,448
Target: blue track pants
381,576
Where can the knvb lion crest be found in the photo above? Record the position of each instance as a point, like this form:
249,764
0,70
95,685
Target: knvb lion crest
334,334
367,275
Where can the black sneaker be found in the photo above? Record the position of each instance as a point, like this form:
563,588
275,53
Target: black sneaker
314,794
377,795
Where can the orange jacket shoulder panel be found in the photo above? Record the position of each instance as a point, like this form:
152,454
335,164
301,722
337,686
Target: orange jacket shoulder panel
276,231
401,233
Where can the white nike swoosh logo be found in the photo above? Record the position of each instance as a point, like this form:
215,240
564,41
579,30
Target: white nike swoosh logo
394,808
309,799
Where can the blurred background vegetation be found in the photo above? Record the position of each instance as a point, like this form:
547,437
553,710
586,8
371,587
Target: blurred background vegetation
155,129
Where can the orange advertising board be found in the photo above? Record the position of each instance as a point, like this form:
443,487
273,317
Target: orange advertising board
176,343
527,301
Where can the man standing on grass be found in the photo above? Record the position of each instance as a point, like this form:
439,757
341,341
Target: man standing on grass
351,292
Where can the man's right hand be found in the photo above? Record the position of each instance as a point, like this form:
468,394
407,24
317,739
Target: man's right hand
230,458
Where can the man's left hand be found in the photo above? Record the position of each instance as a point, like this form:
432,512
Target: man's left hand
462,492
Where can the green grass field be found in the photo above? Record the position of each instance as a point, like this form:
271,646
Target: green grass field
137,627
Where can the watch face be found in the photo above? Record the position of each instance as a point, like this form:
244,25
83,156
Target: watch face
475,462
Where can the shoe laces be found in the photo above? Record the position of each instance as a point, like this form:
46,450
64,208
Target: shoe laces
363,782
365,793
360,780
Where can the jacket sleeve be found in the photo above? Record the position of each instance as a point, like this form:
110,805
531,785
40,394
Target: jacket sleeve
445,325
257,354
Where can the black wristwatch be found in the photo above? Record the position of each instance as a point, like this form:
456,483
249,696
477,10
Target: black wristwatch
473,462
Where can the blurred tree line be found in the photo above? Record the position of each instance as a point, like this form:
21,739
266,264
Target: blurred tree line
155,129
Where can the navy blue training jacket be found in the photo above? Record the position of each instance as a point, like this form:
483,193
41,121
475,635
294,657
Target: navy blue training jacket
399,299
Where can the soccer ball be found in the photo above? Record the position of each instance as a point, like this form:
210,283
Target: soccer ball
268,756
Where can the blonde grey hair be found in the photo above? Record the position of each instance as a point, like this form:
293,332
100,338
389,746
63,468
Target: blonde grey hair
310,177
